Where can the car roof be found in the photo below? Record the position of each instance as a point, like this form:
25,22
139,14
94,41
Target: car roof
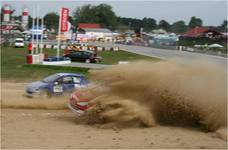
69,74
84,51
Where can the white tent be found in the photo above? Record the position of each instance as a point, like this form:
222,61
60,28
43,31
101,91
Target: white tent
215,46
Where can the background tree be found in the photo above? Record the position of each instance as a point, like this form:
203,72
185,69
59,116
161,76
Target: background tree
195,22
223,26
179,27
29,22
84,14
51,20
16,17
132,23
164,25
71,20
149,24
122,28
102,14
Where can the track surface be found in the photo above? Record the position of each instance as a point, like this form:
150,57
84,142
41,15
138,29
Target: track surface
58,129
165,54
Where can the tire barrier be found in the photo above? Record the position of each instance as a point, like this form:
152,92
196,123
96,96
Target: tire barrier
83,47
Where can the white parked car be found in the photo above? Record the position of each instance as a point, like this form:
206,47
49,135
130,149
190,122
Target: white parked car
19,42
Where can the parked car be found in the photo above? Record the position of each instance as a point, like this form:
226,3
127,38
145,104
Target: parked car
84,56
56,84
19,42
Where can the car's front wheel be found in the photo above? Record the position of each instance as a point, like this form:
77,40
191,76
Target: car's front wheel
97,60
45,94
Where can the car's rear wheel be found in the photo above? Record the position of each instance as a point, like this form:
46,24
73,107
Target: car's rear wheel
87,60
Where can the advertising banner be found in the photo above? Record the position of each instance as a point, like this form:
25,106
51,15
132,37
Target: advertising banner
64,19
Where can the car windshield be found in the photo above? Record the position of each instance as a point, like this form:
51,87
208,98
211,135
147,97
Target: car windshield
51,78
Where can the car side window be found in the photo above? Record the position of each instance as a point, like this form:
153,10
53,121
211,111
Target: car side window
77,53
87,53
76,80
66,80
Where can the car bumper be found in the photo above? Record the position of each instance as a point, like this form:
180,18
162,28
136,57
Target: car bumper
75,110
19,45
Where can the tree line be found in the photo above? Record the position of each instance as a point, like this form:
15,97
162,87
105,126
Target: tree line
104,15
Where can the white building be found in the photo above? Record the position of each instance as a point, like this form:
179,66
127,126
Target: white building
86,34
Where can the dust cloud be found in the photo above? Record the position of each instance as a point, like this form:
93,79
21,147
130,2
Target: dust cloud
174,92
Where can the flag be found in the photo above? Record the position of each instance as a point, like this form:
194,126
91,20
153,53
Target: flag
64,19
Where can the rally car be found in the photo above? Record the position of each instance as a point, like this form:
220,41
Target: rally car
56,84
79,100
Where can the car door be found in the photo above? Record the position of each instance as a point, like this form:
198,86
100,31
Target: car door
72,56
80,56
67,83
63,84
76,56
57,87
86,55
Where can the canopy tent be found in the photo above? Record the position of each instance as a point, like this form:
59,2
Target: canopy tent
215,46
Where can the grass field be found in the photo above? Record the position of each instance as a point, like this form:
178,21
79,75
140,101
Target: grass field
115,56
14,67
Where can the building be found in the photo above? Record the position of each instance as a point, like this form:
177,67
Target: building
159,31
89,25
201,36
199,32
89,32
160,39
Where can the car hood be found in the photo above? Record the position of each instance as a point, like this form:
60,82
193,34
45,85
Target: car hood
36,85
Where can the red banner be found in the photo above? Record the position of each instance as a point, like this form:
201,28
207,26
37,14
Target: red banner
64,19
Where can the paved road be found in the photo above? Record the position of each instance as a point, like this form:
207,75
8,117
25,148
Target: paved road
160,53
165,54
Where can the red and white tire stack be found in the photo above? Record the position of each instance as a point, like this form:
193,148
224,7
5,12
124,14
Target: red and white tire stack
24,21
6,13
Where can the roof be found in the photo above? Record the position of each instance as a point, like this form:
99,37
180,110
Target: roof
65,74
198,31
89,25
104,30
161,31
215,45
